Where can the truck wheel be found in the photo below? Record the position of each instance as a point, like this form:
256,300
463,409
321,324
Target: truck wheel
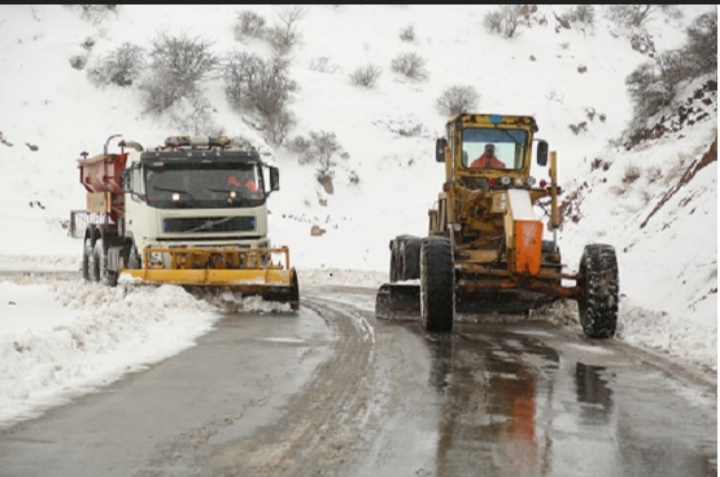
599,282
87,260
437,284
105,276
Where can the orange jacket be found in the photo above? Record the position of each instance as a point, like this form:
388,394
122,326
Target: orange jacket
484,162
249,184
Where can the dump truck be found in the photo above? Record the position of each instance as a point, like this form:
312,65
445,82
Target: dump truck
486,249
191,212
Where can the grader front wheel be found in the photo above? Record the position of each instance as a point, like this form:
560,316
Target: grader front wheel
437,284
598,303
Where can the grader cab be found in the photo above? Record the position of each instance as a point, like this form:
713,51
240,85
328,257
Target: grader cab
485,250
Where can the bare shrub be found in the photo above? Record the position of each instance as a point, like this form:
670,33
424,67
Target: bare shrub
322,150
578,128
177,65
261,87
366,76
249,24
94,13
565,45
702,42
505,20
157,94
354,178
493,22
653,175
78,61
322,64
122,66
632,173
192,115
408,34
183,59
284,35
630,15
584,14
410,65
457,99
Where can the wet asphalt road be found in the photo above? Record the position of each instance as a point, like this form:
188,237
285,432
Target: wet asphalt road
332,391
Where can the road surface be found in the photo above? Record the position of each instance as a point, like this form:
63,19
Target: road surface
333,391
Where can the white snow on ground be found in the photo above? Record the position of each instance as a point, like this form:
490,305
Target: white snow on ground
60,337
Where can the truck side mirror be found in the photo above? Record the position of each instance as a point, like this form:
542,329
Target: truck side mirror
542,153
274,178
440,145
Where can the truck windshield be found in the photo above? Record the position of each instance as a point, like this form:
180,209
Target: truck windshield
493,148
204,185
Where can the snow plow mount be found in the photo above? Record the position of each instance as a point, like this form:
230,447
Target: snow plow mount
245,271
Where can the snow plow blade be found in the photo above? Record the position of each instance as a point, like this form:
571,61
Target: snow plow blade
398,301
246,277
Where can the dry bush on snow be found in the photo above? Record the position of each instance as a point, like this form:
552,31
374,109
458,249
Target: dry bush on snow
321,149
249,24
366,76
408,34
261,87
457,99
410,65
121,67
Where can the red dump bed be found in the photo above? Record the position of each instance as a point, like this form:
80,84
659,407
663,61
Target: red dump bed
101,173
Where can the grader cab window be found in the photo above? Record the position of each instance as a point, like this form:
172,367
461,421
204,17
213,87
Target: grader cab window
493,148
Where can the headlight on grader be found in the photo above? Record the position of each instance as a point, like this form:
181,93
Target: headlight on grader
518,182
530,181
505,180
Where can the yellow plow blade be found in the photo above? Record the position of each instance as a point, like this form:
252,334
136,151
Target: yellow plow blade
237,270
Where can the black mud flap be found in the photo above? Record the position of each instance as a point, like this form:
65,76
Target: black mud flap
398,301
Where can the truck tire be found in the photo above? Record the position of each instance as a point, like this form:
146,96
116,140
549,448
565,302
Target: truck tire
599,282
105,276
437,284
87,260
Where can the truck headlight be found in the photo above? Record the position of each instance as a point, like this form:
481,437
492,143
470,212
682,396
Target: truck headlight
518,182
505,180
530,181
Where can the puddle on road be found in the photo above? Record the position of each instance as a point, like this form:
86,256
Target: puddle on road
523,406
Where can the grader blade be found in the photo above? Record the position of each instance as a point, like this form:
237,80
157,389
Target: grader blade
504,302
398,301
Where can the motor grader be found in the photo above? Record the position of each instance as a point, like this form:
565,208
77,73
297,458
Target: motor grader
484,251
191,212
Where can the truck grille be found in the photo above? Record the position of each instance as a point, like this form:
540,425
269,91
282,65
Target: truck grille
209,224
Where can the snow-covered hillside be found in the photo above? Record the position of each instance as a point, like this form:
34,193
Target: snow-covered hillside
656,202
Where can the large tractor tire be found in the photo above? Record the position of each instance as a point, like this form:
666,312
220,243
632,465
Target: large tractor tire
405,258
599,281
409,252
437,284
105,276
87,261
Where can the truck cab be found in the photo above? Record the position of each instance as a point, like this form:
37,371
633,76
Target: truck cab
196,192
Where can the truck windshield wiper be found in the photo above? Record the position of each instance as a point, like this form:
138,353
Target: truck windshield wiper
179,191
